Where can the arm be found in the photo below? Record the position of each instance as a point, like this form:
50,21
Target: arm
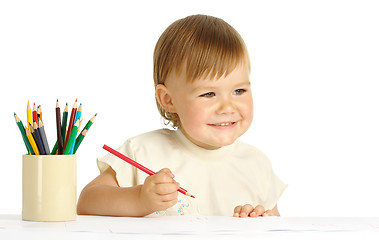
103,195
249,211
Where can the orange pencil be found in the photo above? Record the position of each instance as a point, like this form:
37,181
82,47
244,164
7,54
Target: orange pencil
39,110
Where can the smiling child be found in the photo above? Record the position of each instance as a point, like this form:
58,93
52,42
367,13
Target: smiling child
203,90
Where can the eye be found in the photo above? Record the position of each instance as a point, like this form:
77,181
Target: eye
208,94
239,91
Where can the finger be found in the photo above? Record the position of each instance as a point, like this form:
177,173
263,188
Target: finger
163,205
166,188
169,204
246,210
258,211
169,197
267,213
237,211
162,177
167,171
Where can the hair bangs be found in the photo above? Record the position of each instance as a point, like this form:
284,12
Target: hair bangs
213,50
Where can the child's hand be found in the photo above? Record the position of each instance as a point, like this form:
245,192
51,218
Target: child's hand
248,211
160,191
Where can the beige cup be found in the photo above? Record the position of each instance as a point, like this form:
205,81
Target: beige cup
49,187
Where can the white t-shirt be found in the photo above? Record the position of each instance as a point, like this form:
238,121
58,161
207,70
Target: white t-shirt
221,179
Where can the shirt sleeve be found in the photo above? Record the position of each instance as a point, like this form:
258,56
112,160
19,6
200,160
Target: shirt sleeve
125,173
275,188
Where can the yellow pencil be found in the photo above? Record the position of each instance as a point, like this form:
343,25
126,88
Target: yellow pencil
32,142
29,116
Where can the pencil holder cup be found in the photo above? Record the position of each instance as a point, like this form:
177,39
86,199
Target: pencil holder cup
49,187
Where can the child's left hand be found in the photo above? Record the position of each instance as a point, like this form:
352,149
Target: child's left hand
249,211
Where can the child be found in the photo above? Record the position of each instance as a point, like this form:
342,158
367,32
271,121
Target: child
202,87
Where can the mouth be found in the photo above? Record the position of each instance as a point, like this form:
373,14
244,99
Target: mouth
223,124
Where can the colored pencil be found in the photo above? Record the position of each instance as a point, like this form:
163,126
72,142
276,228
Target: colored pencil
77,117
34,114
23,134
139,166
29,115
42,132
64,122
37,138
71,138
64,126
31,140
59,128
40,112
83,133
80,124
71,124
55,149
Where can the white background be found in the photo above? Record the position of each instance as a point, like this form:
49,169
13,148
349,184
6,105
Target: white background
315,68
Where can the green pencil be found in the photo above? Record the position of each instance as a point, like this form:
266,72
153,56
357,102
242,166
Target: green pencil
23,134
55,148
71,139
83,133
64,123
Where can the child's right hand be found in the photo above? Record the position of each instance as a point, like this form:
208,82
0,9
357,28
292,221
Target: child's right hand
159,191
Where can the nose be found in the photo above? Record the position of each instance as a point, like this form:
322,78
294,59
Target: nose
226,106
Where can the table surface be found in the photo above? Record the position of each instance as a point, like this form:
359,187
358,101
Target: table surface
190,227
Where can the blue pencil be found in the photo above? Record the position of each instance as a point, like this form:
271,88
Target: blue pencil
41,130
37,138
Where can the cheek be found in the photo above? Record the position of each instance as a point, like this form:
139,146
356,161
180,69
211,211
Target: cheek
194,117
248,111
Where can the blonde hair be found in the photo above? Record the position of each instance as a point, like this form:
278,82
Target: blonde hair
200,45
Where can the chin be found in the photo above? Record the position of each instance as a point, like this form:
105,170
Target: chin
225,142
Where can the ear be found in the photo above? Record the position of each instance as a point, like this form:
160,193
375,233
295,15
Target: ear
164,98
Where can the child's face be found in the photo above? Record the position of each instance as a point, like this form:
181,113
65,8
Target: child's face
213,112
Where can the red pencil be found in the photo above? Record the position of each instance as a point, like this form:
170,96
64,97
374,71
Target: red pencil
140,167
35,113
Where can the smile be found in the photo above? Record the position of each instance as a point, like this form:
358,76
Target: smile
223,124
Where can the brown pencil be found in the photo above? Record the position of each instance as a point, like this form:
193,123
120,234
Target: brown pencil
59,128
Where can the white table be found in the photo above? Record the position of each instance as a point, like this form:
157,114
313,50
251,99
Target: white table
190,227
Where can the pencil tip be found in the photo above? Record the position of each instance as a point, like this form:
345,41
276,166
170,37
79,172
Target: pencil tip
190,195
